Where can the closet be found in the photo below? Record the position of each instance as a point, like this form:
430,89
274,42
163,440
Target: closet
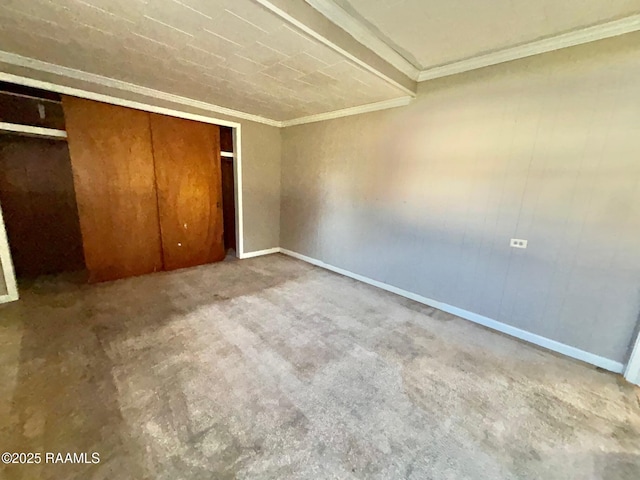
36,184
227,161
112,191
148,189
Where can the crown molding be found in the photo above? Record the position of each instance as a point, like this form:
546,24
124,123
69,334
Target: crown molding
570,39
585,35
92,78
145,104
370,107
364,35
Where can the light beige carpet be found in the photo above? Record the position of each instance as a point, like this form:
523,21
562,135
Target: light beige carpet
273,369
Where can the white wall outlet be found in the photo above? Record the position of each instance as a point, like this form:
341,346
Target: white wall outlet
518,243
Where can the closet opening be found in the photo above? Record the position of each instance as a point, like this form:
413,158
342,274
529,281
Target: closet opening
109,192
227,166
37,193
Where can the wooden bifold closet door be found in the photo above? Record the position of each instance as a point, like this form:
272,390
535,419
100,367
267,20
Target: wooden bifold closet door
148,189
113,172
188,179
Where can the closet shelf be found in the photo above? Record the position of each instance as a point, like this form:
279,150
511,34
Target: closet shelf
32,131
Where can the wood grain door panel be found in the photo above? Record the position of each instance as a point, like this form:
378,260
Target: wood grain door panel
188,178
113,170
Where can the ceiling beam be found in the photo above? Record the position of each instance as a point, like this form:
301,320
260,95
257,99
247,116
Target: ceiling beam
313,23
363,34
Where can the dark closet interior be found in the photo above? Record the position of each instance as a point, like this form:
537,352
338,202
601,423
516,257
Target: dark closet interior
39,206
30,106
37,193
228,188
126,193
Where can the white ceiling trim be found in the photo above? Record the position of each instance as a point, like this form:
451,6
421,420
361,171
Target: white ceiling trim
106,98
577,37
364,35
371,107
285,16
93,79
20,61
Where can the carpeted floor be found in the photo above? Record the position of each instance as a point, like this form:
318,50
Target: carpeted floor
270,368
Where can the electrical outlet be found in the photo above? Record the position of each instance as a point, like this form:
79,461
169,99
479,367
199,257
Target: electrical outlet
518,243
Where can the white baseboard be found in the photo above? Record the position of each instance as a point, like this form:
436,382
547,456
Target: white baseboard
553,345
258,253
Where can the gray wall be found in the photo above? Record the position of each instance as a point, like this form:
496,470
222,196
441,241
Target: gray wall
426,197
261,156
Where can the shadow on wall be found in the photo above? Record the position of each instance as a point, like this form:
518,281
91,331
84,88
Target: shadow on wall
426,198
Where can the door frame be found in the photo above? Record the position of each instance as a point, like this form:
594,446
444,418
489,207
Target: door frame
632,371
237,193
7,265
5,252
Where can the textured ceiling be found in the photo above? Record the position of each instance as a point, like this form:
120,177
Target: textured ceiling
233,53
429,33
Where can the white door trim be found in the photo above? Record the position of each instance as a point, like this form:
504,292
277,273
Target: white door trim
237,174
5,253
632,372
7,265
